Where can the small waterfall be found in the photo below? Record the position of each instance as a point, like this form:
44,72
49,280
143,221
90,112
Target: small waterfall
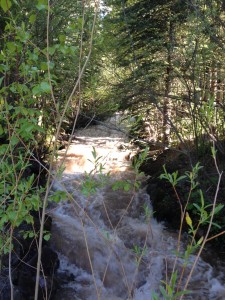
108,249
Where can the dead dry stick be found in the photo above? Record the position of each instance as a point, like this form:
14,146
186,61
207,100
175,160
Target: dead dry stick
215,236
79,89
10,261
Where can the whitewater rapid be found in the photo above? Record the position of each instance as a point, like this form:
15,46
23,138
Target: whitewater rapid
108,248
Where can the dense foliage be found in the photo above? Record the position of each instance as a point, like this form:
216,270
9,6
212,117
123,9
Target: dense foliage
45,50
169,56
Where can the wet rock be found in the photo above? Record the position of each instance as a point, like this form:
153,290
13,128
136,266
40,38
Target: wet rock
27,246
173,160
24,261
5,287
27,274
24,278
165,205
163,198
66,294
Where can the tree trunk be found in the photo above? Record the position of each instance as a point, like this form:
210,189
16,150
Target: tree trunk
168,83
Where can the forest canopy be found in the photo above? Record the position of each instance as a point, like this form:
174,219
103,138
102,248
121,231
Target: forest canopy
160,60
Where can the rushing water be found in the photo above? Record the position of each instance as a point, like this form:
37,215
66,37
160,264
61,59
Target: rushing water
107,249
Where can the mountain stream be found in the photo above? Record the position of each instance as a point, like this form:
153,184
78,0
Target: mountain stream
109,247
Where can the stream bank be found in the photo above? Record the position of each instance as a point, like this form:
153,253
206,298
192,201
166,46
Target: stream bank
165,200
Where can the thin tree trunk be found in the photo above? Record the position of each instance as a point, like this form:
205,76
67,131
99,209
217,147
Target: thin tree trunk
168,82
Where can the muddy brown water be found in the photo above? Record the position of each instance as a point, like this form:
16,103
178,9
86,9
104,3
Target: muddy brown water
107,249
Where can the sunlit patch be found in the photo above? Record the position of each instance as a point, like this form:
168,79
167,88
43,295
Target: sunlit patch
79,158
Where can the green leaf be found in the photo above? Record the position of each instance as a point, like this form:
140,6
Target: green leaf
200,241
29,219
213,150
5,5
58,196
11,46
42,4
12,215
44,66
181,178
45,87
62,38
27,127
163,292
14,140
36,90
3,219
216,225
39,128
51,50
155,296
72,50
1,79
23,35
185,292
47,236
204,215
137,184
188,220
3,149
115,186
218,208
197,206
126,187
32,19
31,234
1,130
